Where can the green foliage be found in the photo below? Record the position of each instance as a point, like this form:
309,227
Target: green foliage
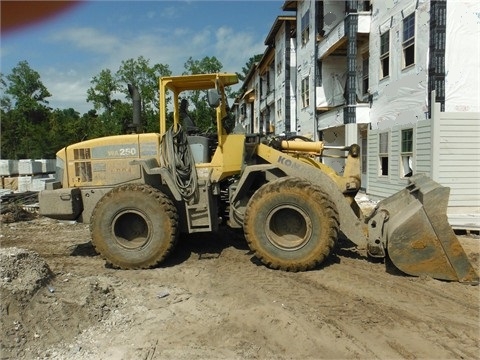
207,65
31,129
24,114
116,115
199,111
25,86
104,87
145,77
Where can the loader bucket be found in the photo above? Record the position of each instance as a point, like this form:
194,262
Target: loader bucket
419,239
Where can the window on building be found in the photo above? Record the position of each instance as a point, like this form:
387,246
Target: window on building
406,163
383,153
365,84
306,27
279,109
385,54
408,42
306,92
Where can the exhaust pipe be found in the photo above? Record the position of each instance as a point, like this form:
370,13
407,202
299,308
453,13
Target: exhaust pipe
136,125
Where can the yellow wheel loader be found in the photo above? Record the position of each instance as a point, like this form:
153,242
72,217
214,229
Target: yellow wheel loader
139,191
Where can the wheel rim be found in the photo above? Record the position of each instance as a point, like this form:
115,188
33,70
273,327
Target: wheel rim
131,229
288,227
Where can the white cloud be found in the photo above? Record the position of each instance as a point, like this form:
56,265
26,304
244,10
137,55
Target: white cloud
228,43
200,40
68,89
89,39
164,46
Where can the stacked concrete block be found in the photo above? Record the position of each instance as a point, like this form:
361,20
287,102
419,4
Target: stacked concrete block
48,165
26,174
8,167
29,167
24,183
33,182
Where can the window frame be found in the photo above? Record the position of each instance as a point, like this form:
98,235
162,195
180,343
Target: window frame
383,155
305,27
408,40
365,73
385,54
406,152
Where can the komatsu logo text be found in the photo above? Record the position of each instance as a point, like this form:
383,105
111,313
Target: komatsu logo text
287,162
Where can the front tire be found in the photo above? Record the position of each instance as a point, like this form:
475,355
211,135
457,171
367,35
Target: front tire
291,224
134,226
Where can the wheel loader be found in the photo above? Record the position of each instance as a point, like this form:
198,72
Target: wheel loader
140,191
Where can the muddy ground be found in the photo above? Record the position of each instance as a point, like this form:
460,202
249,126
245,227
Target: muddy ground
213,300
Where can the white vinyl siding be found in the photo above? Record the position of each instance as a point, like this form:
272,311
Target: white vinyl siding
448,152
423,143
458,162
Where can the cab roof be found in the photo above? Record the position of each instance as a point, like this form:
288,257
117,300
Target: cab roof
198,81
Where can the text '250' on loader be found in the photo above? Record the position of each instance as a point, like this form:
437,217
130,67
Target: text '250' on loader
140,191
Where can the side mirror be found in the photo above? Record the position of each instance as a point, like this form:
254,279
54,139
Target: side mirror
213,98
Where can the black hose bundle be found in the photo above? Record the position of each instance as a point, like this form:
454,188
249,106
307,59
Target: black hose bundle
177,157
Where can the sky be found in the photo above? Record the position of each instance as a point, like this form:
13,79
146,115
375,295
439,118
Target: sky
75,45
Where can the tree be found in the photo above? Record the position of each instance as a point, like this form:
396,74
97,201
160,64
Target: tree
24,113
207,65
201,113
145,77
66,127
5,101
25,86
105,85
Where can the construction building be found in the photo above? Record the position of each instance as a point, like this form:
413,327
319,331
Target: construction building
400,78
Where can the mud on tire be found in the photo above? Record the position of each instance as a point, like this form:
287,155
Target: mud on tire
134,226
291,224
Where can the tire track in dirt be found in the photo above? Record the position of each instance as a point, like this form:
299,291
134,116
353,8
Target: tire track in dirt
222,303
365,315
411,306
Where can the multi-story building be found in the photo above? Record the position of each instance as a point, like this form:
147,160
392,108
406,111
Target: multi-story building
281,47
267,103
425,109
400,78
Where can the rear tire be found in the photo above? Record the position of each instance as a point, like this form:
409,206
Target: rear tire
291,224
134,226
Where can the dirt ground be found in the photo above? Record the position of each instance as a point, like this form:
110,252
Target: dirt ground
213,300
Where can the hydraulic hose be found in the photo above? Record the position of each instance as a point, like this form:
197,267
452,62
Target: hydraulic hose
177,157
